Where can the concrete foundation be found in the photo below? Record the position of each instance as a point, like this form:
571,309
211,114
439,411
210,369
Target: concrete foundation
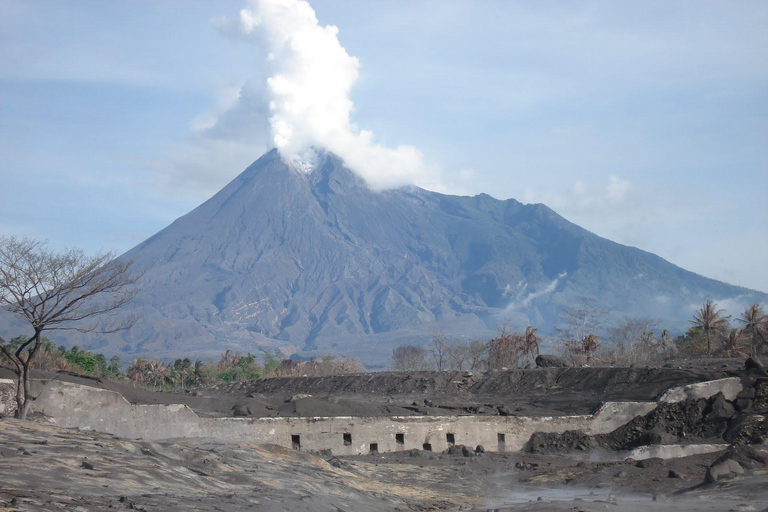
673,451
88,408
729,387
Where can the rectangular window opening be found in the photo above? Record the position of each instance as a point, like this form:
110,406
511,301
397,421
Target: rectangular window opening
502,441
374,447
451,439
296,441
347,439
400,438
427,447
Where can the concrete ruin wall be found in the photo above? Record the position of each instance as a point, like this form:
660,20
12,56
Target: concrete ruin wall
729,387
88,408
7,397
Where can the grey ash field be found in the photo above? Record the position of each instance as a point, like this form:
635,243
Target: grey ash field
45,467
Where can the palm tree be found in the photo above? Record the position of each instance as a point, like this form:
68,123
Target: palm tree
137,371
731,346
157,371
709,319
198,373
755,322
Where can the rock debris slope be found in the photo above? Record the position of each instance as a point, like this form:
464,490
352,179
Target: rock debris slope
317,263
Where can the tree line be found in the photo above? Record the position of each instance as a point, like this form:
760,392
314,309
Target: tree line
507,350
584,337
156,374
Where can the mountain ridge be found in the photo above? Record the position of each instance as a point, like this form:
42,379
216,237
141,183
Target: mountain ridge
317,263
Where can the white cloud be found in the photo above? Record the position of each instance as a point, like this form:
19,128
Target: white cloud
200,163
307,93
584,196
222,142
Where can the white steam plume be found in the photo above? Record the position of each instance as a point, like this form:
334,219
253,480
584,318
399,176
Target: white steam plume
310,79
525,301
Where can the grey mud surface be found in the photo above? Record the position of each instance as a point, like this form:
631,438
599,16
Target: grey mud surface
43,467
49,468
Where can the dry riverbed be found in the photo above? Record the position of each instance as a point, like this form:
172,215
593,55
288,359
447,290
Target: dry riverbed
49,468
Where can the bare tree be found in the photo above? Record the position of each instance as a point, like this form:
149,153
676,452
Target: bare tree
439,347
407,358
531,347
578,328
458,355
506,349
755,326
57,291
634,341
710,320
589,346
477,359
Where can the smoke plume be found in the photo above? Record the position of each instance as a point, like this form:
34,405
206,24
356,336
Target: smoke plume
523,300
310,76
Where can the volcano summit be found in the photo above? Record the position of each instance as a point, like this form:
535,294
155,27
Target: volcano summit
316,263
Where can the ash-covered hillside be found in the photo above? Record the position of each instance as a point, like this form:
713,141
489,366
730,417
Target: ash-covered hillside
318,263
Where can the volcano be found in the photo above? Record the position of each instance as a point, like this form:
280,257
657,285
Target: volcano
317,263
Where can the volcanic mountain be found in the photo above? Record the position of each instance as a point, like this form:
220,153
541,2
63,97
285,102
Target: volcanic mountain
317,263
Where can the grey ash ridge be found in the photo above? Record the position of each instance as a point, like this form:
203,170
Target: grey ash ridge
318,263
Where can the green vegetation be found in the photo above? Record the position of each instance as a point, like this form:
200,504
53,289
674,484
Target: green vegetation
181,373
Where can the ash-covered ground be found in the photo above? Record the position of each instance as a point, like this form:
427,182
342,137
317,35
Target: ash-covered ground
43,467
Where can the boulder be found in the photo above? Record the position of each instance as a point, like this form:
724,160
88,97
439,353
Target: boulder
721,408
241,411
658,435
653,462
753,363
723,470
744,404
460,449
749,457
454,450
550,361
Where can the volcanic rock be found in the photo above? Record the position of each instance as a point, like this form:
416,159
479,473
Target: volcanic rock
723,470
550,361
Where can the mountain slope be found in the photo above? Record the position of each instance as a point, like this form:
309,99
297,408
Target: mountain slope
318,263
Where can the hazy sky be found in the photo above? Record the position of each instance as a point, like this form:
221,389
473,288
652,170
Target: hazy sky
644,122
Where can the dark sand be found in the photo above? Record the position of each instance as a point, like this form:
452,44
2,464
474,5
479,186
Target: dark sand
535,392
49,468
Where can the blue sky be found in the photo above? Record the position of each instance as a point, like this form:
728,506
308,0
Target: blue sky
645,122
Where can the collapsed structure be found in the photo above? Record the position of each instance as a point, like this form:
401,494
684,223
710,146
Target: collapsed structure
77,405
